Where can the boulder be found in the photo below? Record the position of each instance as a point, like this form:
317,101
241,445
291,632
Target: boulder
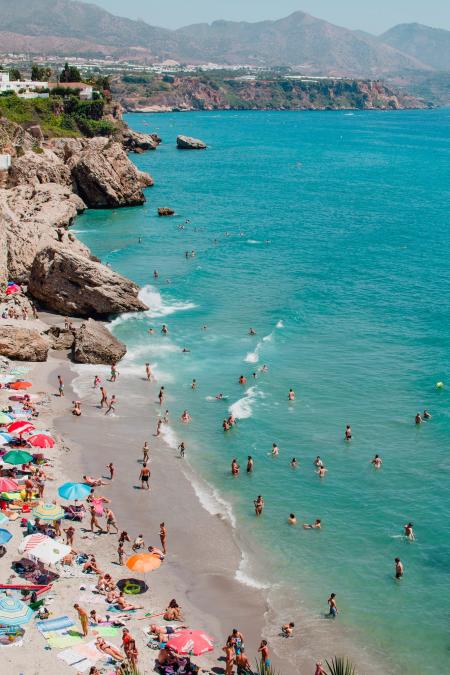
104,177
60,338
3,256
13,138
189,143
36,132
23,343
165,211
31,217
135,141
95,344
73,284
34,168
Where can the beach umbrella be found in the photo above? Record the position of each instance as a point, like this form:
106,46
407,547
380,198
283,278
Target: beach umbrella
74,490
49,551
6,436
191,642
5,536
4,520
14,612
41,441
20,385
17,457
5,419
9,485
31,541
12,288
3,440
20,427
48,512
143,562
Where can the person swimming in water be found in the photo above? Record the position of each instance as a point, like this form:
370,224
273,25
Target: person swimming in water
426,415
259,505
292,520
321,471
242,380
315,526
409,532
377,462
275,450
418,419
249,464
398,568
294,463
348,433
235,468
291,395
318,461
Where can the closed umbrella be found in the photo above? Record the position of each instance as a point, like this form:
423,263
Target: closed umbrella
20,427
192,642
17,457
5,536
14,612
48,512
20,385
49,551
143,562
74,490
31,541
41,441
9,485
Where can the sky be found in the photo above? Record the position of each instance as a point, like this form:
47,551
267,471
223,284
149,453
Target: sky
374,16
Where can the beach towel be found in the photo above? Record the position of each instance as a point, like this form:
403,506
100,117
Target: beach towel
90,651
64,640
54,624
113,608
106,631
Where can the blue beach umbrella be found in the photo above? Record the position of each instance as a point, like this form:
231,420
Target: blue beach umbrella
74,490
14,612
3,519
5,536
6,436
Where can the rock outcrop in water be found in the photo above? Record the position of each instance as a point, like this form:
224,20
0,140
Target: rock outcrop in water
76,285
165,211
95,344
189,143
135,141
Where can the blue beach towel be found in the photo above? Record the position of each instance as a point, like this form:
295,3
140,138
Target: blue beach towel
54,624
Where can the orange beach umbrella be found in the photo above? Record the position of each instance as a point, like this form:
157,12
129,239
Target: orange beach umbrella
143,562
20,385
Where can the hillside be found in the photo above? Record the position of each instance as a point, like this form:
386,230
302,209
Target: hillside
70,27
429,45
216,90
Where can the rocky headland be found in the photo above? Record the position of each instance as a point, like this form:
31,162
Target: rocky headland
49,182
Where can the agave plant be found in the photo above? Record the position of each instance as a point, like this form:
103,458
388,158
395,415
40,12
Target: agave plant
340,666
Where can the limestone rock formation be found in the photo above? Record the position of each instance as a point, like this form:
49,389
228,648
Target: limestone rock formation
134,140
31,216
95,344
165,211
104,177
3,256
34,168
73,284
23,343
61,338
189,143
13,138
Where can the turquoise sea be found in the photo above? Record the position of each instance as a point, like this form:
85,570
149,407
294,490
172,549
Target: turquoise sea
329,233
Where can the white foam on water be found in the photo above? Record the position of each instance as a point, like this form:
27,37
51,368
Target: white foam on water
244,576
252,357
243,408
158,307
280,324
169,436
254,241
83,381
212,502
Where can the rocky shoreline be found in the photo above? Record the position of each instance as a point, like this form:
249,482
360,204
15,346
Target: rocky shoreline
47,185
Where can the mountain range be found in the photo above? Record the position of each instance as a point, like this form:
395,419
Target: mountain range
318,47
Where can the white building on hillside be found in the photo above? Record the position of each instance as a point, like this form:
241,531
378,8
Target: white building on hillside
20,86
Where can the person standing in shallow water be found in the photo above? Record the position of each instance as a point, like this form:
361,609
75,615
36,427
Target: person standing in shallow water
259,505
348,433
249,464
332,605
398,568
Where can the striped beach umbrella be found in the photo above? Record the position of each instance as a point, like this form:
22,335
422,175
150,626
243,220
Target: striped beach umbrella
8,485
20,427
191,642
41,441
30,542
48,512
17,457
5,419
14,612
74,490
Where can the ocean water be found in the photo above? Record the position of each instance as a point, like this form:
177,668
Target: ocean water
329,233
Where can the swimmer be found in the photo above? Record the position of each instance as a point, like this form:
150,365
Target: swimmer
291,395
292,520
264,368
426,415
315,526
294,463
398,568
252,331
155,274
249,464
348,433
185,350
409,533
151,331
219,397
321,471
259,505
418,419
185,417
164,329
235,468
377,462
242,380
318,461
275,450
194,384
226,425
231,420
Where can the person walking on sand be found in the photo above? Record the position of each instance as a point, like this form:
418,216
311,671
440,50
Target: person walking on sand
111,468
120,552
148,372
145,452
144,477
182,448
163,537
114,373
332,605
97,381
94,521
69,535
60,386
259,505
84,619
158,427
112,403
319,669
110,521
229,658
161,395
398,568
104,399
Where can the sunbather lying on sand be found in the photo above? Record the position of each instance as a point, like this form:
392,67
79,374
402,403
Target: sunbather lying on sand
91,566
108,648
163,633
93,482
123,604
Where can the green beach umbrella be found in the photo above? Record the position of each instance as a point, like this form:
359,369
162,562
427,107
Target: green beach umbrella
17,457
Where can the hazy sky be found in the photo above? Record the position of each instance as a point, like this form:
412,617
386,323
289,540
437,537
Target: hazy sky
374,16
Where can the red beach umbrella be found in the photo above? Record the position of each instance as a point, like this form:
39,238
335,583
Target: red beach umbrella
9,485
194,642
20,427
41,441
12,288
21,385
